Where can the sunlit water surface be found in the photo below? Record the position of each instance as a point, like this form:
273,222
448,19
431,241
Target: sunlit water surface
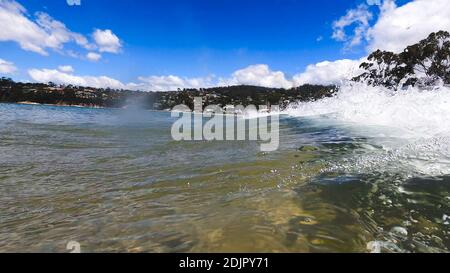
115,181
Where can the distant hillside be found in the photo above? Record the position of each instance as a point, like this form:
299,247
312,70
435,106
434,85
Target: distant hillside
15,92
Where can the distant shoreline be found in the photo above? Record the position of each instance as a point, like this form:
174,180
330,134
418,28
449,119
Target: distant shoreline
75,106
78,96
63,105
123,108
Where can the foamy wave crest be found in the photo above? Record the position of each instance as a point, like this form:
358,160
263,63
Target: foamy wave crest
412,126
419,113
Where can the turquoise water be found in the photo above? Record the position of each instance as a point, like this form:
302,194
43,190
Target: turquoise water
115,181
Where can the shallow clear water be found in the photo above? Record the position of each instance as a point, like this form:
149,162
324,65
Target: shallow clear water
115,181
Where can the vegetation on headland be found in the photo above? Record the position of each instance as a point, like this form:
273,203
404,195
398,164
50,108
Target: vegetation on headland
426,63
16,92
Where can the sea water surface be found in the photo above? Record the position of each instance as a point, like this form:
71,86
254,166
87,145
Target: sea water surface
350,176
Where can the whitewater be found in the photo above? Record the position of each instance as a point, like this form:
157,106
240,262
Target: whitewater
411,126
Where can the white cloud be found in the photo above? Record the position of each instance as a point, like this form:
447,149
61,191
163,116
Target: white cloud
37,36
7,67
324,73
151,83
92,56
17,27
107,41
400,26
66,68
396,26
171,83
58,32
328,72
59,77
259,75
358,17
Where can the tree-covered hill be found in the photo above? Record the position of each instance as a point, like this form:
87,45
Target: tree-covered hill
16,92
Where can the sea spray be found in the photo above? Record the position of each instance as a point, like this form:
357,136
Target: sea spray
414,112
411,126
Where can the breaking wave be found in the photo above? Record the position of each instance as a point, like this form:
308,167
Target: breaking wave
411,126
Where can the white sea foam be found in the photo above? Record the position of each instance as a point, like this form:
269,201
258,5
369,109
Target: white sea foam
424,157
416,113
412,126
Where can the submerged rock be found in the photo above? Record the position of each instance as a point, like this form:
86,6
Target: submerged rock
399,231
383,247
308,148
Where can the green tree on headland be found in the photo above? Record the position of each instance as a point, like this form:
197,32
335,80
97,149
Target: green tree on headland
423,64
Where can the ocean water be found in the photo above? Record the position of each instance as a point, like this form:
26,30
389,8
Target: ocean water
365,171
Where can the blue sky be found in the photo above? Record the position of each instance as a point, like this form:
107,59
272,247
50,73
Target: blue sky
191,38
